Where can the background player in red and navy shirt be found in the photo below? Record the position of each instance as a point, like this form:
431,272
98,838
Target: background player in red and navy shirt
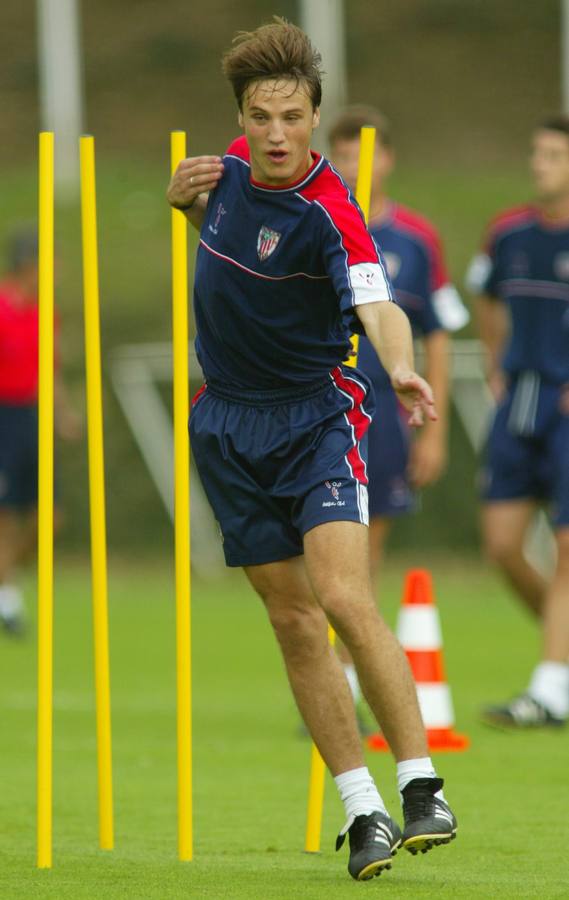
522,277
413,253
285,270
18,418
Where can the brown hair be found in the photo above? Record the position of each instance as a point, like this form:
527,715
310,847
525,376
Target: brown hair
276,50
350,121
557,122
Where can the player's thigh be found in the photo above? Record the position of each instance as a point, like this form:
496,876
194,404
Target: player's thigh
337,563
288,597
505,524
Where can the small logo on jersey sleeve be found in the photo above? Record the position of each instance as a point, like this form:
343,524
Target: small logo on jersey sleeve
267,242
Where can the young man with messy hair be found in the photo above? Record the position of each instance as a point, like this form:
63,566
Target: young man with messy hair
285,271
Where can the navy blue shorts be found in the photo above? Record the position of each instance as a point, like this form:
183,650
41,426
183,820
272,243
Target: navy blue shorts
388,458
527,455
274,468
18,456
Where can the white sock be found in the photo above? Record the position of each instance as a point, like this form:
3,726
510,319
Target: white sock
11,601
549,685
359,794
415,768
352,676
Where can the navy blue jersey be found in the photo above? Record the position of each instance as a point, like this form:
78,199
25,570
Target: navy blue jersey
279,274
414,259
525,263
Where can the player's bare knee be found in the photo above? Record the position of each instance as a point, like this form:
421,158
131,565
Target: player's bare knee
298,629
501,549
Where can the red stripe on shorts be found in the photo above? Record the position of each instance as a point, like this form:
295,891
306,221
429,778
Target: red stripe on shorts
357,419
198,395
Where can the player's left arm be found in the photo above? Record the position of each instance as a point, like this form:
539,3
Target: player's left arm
387,328
428,457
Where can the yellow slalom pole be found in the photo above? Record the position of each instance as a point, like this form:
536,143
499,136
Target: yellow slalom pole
45,505
182,512
97,490
363,196
317,768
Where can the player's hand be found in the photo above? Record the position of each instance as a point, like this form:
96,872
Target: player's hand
428,458
497,385
194,176
415,395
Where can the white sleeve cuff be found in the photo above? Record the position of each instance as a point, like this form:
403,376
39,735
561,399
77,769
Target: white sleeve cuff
451,311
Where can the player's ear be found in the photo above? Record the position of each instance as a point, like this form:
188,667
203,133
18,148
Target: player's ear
240,119
316,117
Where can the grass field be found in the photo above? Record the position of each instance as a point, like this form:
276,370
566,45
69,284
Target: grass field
251,769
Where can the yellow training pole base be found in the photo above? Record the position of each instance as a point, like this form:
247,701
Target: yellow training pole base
97,490
316,789
182,513
45,504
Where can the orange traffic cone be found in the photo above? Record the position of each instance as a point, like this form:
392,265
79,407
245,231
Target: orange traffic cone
419,631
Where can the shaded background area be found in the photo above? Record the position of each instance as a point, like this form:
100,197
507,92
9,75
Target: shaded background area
463,83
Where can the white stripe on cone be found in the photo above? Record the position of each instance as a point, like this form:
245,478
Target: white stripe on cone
418,628
436,705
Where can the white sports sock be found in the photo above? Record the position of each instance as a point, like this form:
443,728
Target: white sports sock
549,685
352,676
359,794
11,601
415,768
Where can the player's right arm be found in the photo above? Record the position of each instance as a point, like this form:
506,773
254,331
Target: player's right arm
493,328
491,312
190,185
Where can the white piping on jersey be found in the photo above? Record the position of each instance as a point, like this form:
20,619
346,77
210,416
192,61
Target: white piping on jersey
276,190
524,406
332,223
553,290
260,274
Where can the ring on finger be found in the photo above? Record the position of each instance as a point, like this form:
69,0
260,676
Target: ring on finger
192,181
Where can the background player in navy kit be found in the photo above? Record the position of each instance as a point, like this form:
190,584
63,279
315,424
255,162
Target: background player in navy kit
413,253
522,277
285,268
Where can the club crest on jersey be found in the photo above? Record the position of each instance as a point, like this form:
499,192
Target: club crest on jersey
267,242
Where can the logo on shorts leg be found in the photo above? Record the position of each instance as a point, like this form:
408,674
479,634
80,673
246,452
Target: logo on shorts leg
267,242
334,488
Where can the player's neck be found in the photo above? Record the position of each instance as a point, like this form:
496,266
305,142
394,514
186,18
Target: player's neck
379,207
555,209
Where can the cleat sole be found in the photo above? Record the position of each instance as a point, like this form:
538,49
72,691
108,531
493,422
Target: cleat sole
377,867
425,842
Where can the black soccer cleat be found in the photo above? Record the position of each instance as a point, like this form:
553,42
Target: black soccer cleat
429,820
521,712
374,840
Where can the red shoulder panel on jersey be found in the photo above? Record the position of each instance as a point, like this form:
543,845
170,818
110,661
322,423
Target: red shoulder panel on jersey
420,228
331,193
509,219
239,147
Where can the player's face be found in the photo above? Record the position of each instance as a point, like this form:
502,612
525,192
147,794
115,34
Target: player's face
278,119
345,156
550,164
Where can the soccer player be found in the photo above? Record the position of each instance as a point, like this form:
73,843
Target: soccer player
285,270
18,419
412,250
522,279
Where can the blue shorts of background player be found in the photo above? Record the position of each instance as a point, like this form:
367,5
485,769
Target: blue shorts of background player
388,450
527,455
18,457
275,465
